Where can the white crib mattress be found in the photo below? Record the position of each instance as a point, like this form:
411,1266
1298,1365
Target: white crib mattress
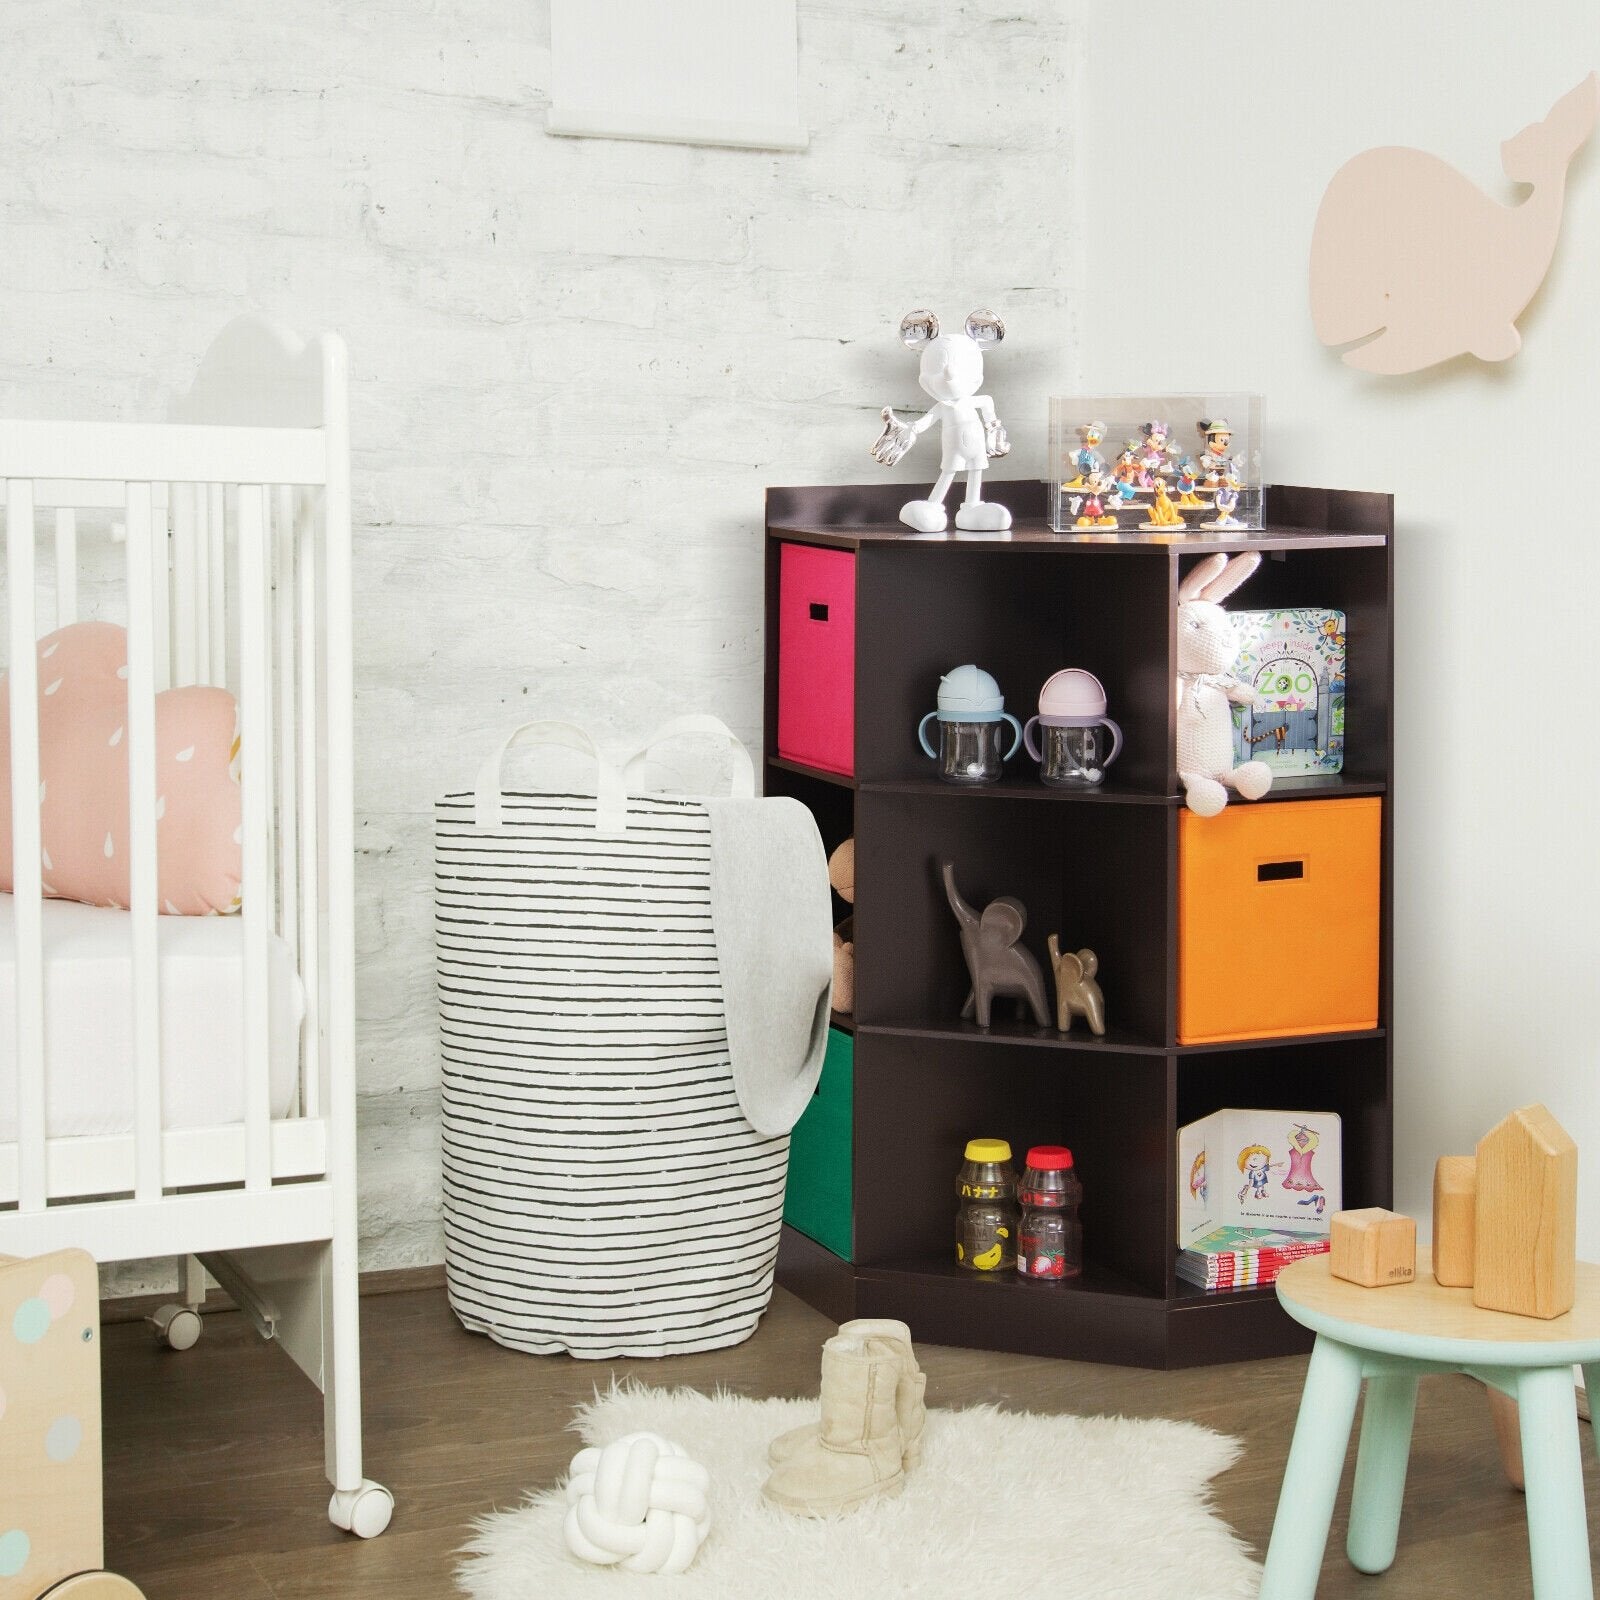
88,1021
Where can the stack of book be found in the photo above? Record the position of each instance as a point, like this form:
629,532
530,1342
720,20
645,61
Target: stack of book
1244,1258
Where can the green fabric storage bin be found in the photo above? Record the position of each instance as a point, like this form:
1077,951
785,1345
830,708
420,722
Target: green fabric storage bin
818,1199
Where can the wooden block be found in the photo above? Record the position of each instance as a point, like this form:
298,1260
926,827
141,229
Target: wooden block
1455,1201
1373,1247
1526,1218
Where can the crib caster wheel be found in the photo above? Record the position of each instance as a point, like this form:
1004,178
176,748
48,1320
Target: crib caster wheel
177,1327
365,1512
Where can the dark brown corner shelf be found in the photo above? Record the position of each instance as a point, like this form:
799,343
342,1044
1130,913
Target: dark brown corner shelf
820,774
1292,1041
1101,867
1010,788
1003,1034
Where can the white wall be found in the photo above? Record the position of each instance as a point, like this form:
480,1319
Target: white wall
576,363
1205,163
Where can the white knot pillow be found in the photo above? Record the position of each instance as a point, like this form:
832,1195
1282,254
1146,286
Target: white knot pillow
638,1503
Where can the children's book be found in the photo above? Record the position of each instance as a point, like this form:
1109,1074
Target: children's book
1294,660
1243,1258
1243,1168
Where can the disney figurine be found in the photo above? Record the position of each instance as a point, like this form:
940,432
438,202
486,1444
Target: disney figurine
970,434
1126,477
1214,462
1227,503
1188,482
1087,459
1090,509
1164,516
1153,454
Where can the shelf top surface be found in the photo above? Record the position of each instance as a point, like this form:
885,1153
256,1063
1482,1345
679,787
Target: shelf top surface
1034,533
852,516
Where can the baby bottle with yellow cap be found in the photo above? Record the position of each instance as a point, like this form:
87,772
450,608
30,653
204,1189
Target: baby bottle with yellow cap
986,1213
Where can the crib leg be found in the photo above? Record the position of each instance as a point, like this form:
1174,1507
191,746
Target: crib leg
194,1283
358,1505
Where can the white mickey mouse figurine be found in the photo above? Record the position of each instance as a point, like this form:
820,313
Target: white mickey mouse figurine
970,434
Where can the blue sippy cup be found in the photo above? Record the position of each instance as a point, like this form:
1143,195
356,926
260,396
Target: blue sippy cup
971,715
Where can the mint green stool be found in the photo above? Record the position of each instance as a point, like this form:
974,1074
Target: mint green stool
1390,1337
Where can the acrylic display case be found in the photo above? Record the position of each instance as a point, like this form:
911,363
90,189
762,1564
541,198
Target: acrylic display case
1156,464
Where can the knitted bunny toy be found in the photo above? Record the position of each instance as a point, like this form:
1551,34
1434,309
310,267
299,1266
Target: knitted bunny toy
1207,646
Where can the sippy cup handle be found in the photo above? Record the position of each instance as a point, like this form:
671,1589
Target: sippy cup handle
1027,738
1016,734
922,736
1116,741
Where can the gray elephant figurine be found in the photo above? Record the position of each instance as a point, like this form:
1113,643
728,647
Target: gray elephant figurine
1076,991
998,964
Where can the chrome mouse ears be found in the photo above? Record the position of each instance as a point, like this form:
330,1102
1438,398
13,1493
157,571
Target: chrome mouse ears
921,327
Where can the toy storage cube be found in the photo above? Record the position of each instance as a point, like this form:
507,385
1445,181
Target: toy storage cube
817,657
818,1198
1278,919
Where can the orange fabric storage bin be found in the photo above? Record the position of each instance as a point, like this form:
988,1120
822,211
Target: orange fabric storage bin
1278,919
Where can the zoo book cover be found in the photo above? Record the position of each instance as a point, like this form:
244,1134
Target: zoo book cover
1295,661
1254,1169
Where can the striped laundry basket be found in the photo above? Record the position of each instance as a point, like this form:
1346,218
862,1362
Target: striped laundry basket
604,1194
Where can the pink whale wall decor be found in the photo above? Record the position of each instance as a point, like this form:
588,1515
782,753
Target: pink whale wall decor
1418,263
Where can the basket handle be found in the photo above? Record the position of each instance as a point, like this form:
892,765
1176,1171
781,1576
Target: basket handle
744,772
611,803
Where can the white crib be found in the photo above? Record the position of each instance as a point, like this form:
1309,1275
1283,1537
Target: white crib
234,570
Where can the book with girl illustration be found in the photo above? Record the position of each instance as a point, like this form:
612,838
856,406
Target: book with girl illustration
1272,1171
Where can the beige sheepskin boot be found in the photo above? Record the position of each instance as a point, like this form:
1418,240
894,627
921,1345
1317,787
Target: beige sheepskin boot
908,1395
855,1454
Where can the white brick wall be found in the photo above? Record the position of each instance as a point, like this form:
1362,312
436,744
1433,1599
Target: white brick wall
576,362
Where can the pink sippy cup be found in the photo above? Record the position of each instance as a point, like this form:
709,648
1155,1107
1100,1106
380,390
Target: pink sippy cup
1072,706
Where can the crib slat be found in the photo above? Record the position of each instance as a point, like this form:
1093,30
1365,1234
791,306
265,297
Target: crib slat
310,803
66,566
283,599
255,731
25,866
183,566
144,908
269,717
201,501
161,590
217,670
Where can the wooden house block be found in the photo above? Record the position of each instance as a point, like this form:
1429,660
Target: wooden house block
1526,1218
1455,1200
1373,1247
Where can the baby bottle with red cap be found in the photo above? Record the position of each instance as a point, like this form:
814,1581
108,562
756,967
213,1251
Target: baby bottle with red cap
1050,1233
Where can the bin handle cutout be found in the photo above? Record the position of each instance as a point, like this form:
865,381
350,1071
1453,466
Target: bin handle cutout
1279,871
819,610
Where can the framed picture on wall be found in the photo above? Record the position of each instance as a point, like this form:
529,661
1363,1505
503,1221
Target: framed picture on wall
685,71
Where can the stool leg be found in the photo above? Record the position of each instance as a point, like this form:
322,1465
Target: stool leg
1591,1385
1311,1478
1558,1528
1380,1487
1508,1435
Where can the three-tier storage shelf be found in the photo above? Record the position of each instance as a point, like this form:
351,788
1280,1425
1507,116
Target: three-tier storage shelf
908,1082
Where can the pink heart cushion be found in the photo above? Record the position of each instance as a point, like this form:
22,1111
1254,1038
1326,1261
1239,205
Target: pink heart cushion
83,790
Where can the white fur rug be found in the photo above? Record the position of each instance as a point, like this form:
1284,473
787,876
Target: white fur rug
1001,1504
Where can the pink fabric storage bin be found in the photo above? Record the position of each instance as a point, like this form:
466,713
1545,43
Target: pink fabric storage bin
817,657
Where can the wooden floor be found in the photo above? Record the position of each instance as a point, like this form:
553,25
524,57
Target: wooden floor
214,1479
